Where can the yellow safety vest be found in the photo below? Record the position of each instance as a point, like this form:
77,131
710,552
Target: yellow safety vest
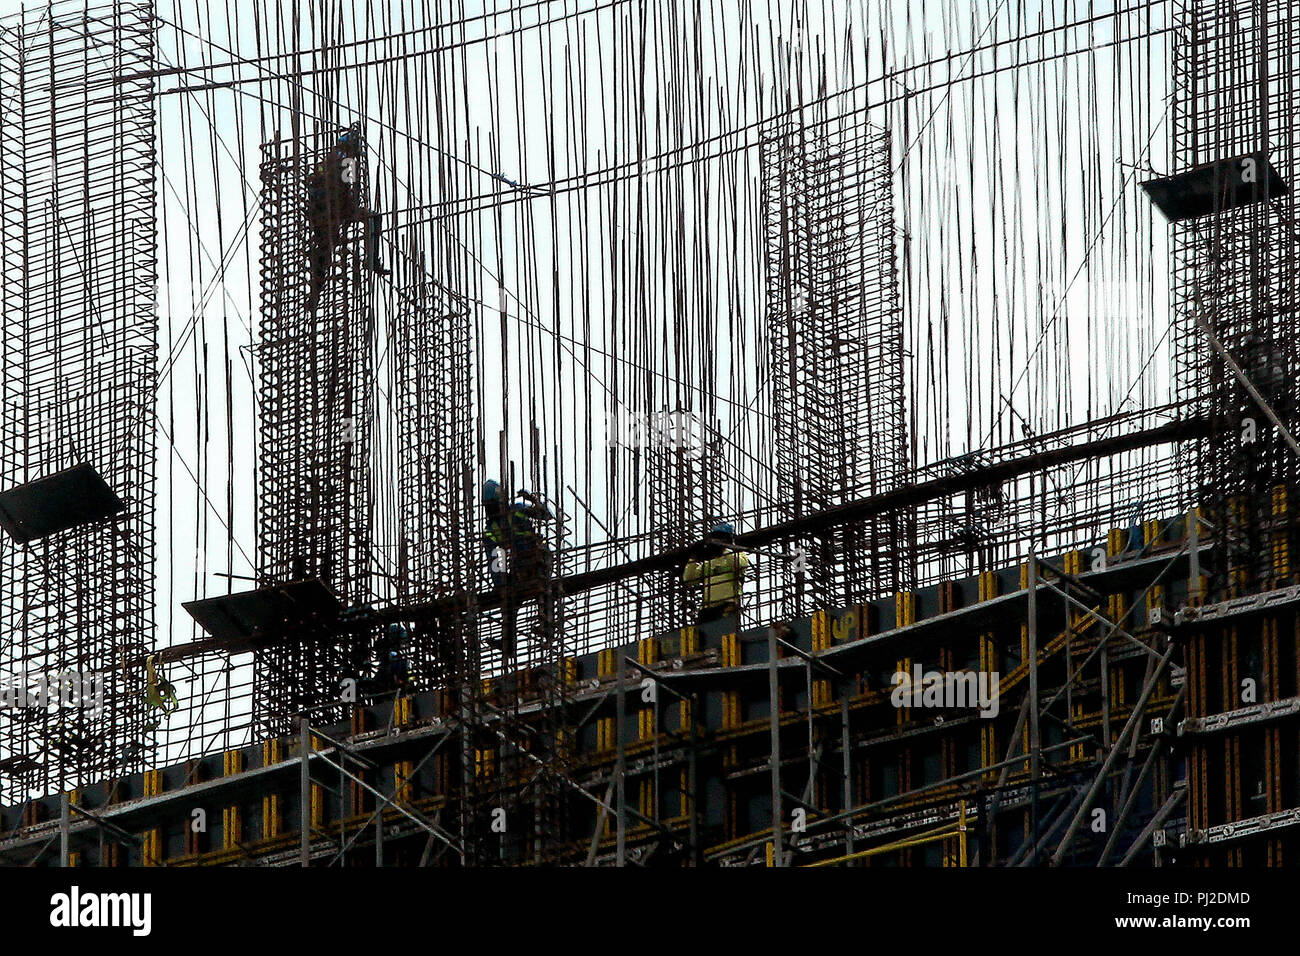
721,578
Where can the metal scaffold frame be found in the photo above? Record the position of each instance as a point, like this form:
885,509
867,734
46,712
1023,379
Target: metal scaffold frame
316,395
78,340
835,331
1234,287
1235,273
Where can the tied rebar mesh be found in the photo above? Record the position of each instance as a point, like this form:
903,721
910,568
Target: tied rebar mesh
1234,94
315,395
835,331
77,380
438,547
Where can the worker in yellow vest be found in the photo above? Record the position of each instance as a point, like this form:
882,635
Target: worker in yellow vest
158,693
718,567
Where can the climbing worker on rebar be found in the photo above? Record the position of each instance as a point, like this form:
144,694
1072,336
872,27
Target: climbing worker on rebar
517,554
392,673
519,559
334,200
158,693
719,568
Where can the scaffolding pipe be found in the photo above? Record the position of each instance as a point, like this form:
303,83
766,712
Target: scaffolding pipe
1129,727
304,791
774,721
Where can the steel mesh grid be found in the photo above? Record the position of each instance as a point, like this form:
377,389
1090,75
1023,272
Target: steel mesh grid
315,399
78,378
1236,270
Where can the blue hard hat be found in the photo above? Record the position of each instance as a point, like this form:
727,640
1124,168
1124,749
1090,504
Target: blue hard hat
491,491
724,527
396,632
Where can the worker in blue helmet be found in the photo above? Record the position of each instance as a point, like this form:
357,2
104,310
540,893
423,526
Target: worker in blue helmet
334,200
519,559
718,568
517,552
392,673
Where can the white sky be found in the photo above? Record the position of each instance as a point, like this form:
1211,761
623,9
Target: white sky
1031,266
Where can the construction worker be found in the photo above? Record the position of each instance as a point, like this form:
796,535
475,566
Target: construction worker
517,554
158,692
334,200
519,559
718,567
392,674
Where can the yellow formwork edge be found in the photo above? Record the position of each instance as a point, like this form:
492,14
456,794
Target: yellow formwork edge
904,666
1115,607
232,823
821,631
645,723
730,709
645,803
690,641
904,608
271,814
647,650
317,803
403,770
730,650
232,827
1151,531
151,848
606,663
821,640
1156,596
272,807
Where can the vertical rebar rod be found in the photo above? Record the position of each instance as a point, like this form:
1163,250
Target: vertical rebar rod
65,813
620,766
846,770
304,791
1035,740
774,719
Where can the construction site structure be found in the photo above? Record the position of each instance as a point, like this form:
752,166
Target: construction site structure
785,746
78,373
1077,647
